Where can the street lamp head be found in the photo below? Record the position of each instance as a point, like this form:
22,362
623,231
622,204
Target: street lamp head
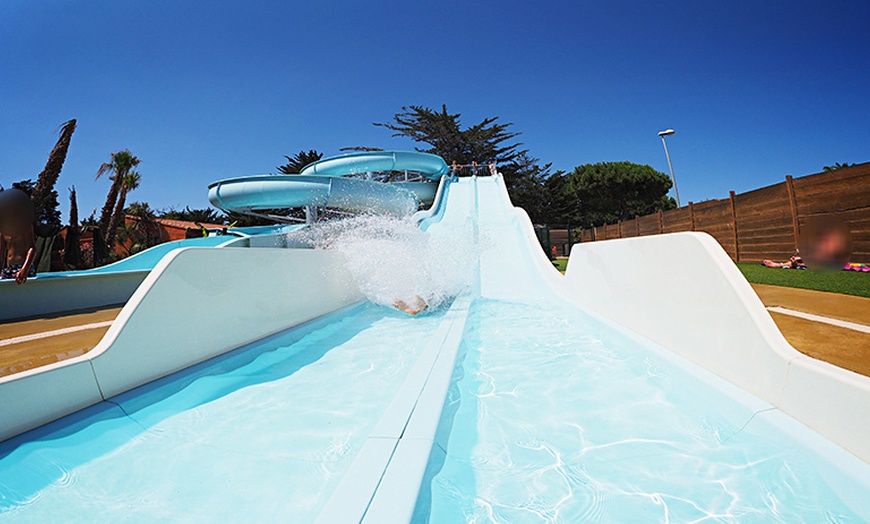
666,132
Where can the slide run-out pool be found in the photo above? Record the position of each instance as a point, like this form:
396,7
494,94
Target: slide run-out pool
552,414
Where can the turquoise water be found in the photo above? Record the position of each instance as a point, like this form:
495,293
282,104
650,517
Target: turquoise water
554,418
260,435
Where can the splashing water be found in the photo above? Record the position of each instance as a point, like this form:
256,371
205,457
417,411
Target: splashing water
392,259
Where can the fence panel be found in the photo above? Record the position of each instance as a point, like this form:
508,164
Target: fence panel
763,223
714,217
629,228
675,220
824,193
648,225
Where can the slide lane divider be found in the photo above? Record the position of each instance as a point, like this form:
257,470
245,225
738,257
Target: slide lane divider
384,479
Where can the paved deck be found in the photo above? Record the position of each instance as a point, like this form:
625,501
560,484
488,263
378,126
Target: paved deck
37,342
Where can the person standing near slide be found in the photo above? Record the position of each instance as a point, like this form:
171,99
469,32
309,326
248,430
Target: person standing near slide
17,244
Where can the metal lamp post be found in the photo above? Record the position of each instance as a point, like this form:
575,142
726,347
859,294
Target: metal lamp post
663,134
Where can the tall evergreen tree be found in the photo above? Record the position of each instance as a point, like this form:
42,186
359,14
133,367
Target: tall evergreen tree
526,182
301,159
71,250
487,141
612,191
44,196
484,142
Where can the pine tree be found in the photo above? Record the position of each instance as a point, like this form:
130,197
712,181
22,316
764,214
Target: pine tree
301,159
487,141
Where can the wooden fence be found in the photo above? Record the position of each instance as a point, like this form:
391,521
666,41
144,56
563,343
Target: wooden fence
766,222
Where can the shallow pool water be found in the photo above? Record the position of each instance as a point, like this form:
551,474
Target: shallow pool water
554,418
260,435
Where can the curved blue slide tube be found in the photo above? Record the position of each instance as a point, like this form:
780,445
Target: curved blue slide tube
261,192
323,183
429,165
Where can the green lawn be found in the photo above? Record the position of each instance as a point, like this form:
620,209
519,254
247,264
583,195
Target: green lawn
846,282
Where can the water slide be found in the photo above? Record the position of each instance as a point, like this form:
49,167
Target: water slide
57,293
327,183
615,393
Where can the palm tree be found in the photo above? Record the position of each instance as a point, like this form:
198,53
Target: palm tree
121,164
129,182
44,198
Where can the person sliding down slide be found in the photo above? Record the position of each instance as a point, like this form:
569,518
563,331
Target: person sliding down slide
416,306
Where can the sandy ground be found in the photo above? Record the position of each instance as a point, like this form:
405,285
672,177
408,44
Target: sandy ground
22,356
840,346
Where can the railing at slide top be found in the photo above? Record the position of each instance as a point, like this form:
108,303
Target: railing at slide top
473,169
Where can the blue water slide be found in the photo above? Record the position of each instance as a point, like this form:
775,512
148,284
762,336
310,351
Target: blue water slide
325,184
262,192
428,165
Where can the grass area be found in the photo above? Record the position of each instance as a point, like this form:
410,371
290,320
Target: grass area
846,282
561,263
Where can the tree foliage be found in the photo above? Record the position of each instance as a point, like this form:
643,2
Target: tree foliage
486,141
298,161
44,195
129,182
526,182
120,164
140,234
72,255
610,191
361,148
206,215
836,166
25,185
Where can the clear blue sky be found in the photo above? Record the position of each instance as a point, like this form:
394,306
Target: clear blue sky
203,90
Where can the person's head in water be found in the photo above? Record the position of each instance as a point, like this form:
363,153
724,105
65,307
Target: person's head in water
16,235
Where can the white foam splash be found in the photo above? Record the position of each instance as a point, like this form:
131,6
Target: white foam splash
392,259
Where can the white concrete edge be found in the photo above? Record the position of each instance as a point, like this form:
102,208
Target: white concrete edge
117,325
419,401
35,397
47,295
829,400
838,416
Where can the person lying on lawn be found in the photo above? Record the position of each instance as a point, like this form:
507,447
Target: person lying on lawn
795,262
